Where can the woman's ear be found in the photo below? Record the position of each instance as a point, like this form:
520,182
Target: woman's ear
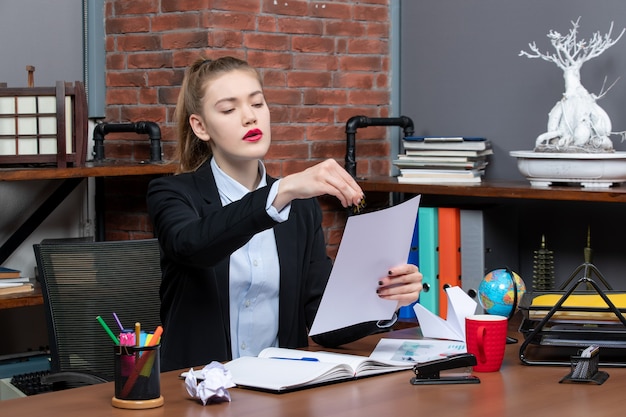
197,125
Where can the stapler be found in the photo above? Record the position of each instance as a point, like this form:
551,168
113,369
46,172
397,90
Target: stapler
428,373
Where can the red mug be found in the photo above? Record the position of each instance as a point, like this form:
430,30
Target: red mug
485,337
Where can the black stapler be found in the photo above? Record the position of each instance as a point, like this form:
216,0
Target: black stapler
428,373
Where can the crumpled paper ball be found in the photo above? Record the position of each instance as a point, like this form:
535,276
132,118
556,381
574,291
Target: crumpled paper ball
210,384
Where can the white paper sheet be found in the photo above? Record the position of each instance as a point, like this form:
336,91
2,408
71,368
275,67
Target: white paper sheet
460,305
371,244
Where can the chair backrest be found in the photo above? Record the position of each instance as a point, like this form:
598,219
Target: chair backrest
82,280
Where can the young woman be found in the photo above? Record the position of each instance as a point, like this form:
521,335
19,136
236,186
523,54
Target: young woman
243,255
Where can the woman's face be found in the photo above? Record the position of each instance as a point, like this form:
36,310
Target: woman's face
235,119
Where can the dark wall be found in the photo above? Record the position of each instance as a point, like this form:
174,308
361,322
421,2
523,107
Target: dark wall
461,73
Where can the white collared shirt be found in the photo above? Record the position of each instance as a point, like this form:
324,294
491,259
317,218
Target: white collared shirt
254,274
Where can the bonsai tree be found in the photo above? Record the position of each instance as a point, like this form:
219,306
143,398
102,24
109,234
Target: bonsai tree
576,123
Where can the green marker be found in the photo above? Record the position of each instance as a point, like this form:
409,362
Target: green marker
115,339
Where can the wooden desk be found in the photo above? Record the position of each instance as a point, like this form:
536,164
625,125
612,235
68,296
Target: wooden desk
517,390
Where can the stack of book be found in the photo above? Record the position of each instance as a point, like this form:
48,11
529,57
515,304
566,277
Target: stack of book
11,282
443,159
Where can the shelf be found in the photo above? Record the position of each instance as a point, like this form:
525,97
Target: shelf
91,169
22,299
498,190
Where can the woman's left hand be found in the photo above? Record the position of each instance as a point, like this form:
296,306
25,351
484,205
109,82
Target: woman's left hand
403,283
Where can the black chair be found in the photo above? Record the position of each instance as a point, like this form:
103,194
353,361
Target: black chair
82,280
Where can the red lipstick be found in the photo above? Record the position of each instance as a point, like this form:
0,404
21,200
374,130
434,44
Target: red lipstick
253,135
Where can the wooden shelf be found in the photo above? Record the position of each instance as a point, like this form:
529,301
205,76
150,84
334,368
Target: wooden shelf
91,169
497,190
22,299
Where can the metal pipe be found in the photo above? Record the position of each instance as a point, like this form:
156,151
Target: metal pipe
143,127
357,122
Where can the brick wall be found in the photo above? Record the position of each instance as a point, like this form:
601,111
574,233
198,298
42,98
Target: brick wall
321,62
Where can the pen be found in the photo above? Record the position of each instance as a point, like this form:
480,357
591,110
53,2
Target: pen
307,359
106,328
137,334
119,323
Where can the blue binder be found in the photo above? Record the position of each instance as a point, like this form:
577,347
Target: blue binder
407,312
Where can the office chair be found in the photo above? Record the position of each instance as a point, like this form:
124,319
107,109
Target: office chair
82,280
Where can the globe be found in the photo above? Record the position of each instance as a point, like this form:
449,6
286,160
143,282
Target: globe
496,292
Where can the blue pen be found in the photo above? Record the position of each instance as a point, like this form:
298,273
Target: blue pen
297,359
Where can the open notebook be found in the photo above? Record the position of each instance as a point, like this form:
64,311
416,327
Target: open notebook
282,370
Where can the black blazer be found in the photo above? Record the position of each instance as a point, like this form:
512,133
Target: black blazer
197,235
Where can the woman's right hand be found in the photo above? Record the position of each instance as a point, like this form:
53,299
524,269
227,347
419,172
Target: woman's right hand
327,177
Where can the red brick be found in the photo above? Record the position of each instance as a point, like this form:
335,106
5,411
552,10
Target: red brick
363,80
268,42
310,114
150,60
128,24
148,96
181,5
326,96
175,21
225,39
282,150
368,46
140,7
330,10
369,97
153,114
131,43
315,62
115,61
274,78
126,79
308,79
290,132
346,28
335,150
180,40
377,30
291,7
313,44
371,13
300,25
122,95
360,63
282,96
165,77
168,95
239,5
227,20
266,59
326,132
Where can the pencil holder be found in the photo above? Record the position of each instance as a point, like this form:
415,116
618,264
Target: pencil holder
585,369
137,377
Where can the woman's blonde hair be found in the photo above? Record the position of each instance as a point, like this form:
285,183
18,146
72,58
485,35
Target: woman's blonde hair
191,151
